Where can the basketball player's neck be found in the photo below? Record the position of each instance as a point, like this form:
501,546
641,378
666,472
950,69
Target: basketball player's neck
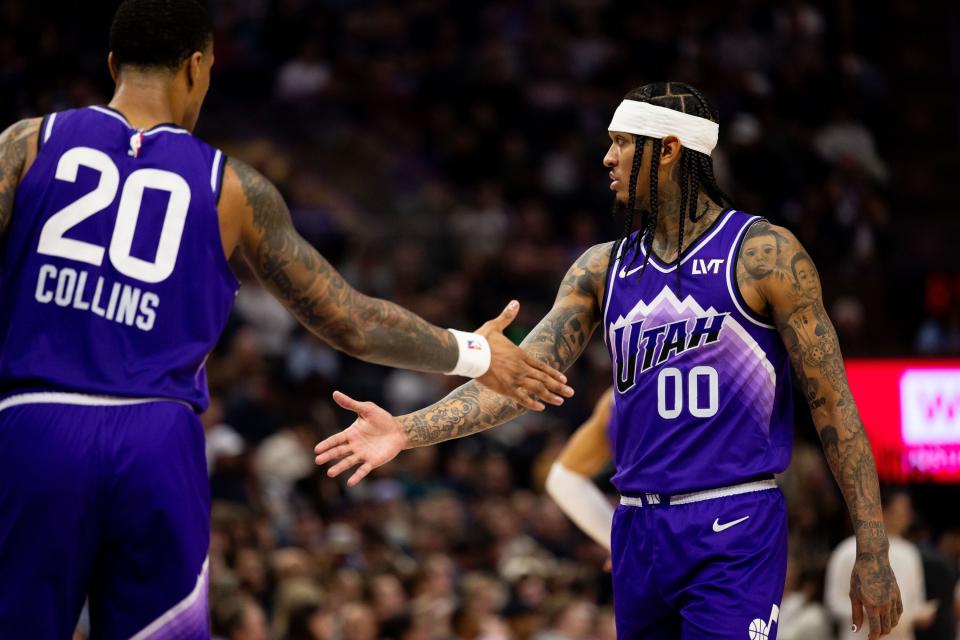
667,234
145,100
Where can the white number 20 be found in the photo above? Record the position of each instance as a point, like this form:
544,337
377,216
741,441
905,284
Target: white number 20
53,242
697,407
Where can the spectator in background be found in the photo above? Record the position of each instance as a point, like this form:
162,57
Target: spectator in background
940,581
239,618
802,616
905,562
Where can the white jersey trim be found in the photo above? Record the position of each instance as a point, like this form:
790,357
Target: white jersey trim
49,128
117,116
215,171
150,132
731,267
78,399
612,277
690,253
180,607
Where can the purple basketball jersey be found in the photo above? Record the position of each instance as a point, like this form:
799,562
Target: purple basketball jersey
702,385
113,278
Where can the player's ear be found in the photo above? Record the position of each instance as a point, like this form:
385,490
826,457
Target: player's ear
112,65
669,150
193,68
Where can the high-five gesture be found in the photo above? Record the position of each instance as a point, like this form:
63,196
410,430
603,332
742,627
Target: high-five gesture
374,439
517,374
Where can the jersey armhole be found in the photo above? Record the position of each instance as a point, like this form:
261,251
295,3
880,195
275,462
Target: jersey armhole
733,287
217,171
45,130
43,127
608,284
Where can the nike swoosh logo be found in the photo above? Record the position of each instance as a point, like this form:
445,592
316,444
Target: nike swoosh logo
723,527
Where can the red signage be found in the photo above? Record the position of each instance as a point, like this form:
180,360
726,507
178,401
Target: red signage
911,411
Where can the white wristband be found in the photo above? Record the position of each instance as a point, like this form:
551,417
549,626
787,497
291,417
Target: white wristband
474,358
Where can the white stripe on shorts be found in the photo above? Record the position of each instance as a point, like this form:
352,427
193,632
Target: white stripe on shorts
698,496
81,399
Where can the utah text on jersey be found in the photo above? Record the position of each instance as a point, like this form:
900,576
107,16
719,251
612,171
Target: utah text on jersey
659,344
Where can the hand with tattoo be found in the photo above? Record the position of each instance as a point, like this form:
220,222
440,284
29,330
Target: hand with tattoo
795,302
874,589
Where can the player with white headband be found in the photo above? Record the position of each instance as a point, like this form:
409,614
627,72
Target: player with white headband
707,326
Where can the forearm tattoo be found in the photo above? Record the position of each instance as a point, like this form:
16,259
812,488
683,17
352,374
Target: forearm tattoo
773,261
13,155
558,340
368,328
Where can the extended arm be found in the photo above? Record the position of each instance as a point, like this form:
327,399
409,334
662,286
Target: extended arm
17,147
793,297
376,436
364,327
558,340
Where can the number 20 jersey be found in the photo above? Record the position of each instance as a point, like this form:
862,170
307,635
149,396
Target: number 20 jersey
113,278
702,385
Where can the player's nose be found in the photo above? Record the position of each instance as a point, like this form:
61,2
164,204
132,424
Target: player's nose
609,160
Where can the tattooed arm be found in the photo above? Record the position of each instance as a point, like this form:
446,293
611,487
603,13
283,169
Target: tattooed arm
367,328
778,277
17,148
560,337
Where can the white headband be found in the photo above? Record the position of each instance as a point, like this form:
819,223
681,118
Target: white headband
645,119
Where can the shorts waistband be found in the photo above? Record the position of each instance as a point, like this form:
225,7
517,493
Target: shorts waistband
650,499
78,399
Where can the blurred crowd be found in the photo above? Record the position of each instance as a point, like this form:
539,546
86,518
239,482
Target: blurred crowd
447,155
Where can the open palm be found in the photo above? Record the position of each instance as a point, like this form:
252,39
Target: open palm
374,439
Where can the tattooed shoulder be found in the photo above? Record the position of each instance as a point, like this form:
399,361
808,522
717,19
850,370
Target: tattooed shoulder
261,195
587,276
14,151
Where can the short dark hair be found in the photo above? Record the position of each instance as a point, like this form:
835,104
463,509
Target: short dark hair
159,33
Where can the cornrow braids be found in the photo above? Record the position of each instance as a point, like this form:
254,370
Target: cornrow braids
696,169
639,143
646,233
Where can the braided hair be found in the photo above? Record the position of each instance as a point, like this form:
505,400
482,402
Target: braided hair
696,170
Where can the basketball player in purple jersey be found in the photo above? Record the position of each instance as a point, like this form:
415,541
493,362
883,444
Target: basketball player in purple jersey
706,319
115,229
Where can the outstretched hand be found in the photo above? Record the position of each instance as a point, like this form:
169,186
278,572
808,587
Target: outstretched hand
517,374
374,439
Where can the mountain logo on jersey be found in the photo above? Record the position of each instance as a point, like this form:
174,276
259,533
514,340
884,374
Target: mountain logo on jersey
662,329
